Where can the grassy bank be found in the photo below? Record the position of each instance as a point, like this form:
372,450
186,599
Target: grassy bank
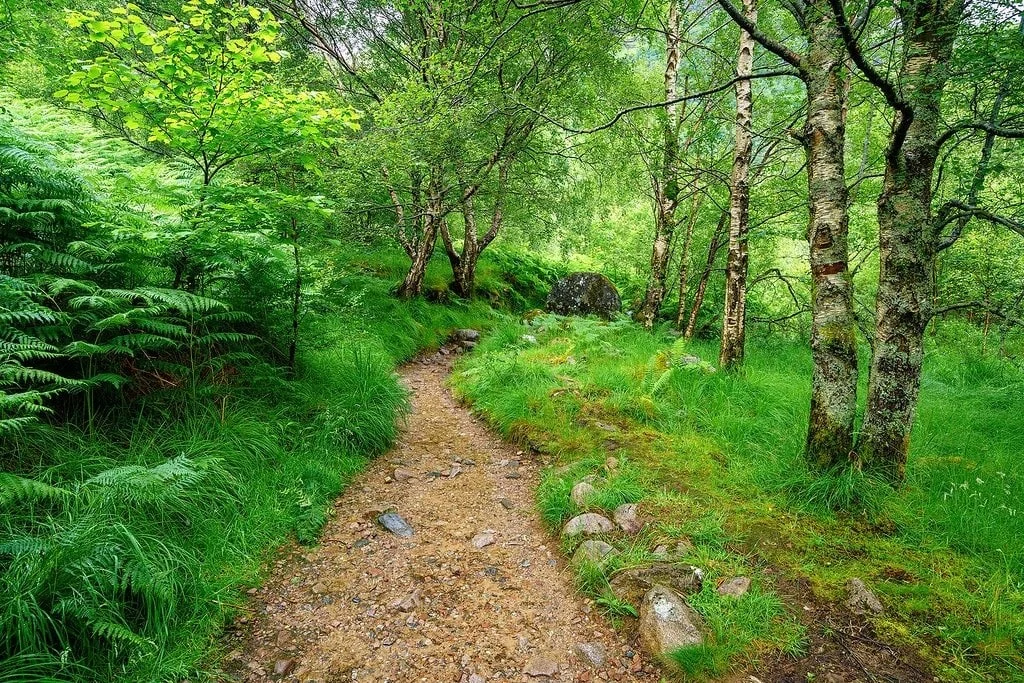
126,542
719,461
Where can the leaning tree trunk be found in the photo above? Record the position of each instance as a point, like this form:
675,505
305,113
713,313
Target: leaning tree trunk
666,188
705,276
907,241
833,326
734,317
421,247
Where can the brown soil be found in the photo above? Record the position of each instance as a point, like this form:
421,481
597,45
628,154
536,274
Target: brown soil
841,647
336,612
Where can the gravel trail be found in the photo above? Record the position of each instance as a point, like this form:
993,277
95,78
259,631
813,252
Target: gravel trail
478,593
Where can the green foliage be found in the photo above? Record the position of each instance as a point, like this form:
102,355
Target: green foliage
197,84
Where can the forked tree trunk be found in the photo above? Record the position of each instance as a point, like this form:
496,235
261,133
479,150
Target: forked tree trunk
666,187
734,316
705,276
426,221
464,264
908,239
833,327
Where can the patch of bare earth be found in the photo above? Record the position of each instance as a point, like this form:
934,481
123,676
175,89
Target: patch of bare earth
367,605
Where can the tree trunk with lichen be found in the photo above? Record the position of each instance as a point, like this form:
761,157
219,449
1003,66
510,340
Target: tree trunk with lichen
428,216
833,327
666,187
734,316
908,239
464,264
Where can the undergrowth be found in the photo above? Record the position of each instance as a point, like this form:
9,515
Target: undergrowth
721,458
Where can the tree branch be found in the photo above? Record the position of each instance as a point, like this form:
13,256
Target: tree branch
768,43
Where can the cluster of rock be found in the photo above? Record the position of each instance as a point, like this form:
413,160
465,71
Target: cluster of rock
464,339
656,590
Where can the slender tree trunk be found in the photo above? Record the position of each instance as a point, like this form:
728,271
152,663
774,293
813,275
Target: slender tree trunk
684,260
705,276
427,217
734,317
833,327
666,188
908,240
296,300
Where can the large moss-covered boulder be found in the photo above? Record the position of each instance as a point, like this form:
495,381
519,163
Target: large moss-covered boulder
584,294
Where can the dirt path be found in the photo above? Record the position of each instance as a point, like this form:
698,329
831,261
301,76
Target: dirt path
367,605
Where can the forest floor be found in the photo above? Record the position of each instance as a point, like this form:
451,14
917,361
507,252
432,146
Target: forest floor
367,605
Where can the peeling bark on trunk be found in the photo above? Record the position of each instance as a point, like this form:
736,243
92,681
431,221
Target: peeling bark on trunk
428,216
702,284
908,239
734,317
833,326
666,188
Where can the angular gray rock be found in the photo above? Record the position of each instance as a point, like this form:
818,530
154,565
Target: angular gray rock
627,518
584,294
860,599
588,524
593,654
541,665
394,523
483,539
736,586
592,551
667,623
465,335
581,492
630,584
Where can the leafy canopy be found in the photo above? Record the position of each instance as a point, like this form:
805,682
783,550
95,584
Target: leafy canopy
202,86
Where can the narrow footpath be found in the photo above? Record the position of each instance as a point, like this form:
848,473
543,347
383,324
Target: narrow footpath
478,593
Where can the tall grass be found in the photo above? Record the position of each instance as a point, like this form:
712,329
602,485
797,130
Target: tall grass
127,542
945,551
124,568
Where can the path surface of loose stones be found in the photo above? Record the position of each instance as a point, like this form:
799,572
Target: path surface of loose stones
367,605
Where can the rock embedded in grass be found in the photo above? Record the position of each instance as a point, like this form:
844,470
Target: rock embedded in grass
667,623
860,599
630,584
584,294
593,551
679,551
581,492
736,586
588,524
627,518
465,334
